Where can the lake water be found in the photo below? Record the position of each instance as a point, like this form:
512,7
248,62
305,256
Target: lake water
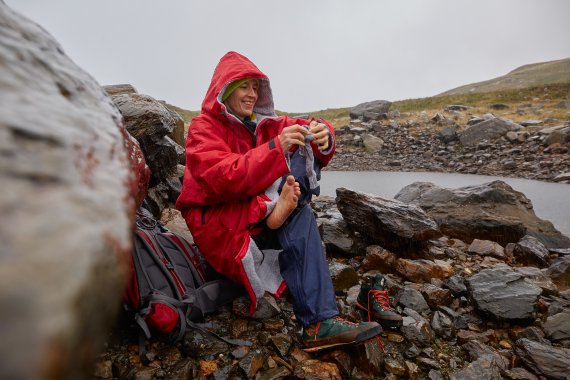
551,201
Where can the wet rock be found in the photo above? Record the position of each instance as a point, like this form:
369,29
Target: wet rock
372,144
457,107
395,365
442,325
343,361
435,375
252,363
544,359
174,222
336,238
267,308
504,294
490,211
274,374
378,258
343,276
530,251
66,202
117,89
555,137
459,321
317,370
476,350
423,270
559,272
531,332
152,124
370,110
103,370
557,327
436,296
369,358
483,368
464,336
417,332
448,135
456,285
489,130
539,278
200,345
519,373
389,223
240,352
563,177
183,369
412,298
486,248
282,343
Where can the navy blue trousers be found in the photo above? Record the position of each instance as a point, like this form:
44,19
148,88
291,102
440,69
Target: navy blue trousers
305,269
302,262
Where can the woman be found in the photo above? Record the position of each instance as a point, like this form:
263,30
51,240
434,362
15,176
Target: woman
237,152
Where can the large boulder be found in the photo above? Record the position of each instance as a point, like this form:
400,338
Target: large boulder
488,130
489,211
65,205
389,223
370,110
152,124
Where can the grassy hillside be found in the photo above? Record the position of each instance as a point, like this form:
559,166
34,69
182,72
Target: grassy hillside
524,104
532,75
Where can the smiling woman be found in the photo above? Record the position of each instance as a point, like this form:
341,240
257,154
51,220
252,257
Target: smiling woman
241,96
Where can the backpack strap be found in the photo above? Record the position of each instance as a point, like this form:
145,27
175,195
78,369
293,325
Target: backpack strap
235,342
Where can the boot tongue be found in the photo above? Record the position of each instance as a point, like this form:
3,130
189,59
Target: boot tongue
378,282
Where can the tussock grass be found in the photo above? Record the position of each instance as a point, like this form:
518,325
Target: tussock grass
547,93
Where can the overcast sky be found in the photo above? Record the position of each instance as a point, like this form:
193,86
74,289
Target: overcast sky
318,54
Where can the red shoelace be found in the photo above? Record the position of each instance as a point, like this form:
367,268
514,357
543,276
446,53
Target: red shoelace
380,296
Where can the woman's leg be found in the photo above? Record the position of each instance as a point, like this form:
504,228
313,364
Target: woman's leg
305,269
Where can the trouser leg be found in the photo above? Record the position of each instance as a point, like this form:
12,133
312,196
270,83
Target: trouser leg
305,269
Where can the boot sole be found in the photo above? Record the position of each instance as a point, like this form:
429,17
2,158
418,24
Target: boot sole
388,324
360,338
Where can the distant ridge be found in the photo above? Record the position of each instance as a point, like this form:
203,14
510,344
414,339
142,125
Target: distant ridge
536,74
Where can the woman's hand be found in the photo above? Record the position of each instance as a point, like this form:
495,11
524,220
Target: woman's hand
292,135
321,134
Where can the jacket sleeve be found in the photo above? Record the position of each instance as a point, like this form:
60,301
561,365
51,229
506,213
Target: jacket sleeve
226,175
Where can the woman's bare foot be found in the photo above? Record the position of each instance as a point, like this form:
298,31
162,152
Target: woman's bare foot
285,204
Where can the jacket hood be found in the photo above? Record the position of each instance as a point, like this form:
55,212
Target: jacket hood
234,66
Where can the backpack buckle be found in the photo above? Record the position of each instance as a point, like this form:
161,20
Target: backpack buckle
146,222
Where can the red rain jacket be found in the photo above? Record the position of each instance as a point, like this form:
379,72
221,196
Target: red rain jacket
228,168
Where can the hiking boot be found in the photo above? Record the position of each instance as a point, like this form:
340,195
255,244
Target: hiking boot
337,331
373,298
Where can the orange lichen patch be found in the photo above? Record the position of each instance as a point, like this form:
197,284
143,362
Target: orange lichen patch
207,367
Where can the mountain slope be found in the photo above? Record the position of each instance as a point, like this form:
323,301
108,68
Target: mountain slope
536,74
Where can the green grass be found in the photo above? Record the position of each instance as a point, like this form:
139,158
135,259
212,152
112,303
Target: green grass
552,92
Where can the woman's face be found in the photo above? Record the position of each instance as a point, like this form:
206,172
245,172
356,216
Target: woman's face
242,100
